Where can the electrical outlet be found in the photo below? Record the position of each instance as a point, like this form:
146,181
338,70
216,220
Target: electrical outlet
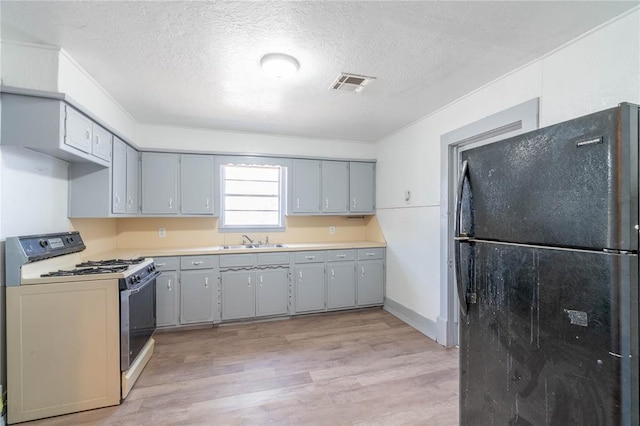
162,232
332,229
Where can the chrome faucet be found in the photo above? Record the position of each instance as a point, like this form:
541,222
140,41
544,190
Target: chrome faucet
247,238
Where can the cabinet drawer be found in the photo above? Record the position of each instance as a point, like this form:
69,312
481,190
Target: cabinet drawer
198,262
233,260
371,253
166,263
309,256
279,258
340,255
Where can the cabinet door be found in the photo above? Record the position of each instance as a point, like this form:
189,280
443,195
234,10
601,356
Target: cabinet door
361,187
238,295
341,285
167,299
78,129
133,180
335,185
370,283
101,145
196,296
306,186
159,183
271,296
196,184
119,177
310,288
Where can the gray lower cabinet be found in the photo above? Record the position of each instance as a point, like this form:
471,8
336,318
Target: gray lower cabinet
160,173
310,287
271,292
370,276
197,296
167,306
238,294
341,285
254,293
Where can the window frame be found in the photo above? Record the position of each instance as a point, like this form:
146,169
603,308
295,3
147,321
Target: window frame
257,162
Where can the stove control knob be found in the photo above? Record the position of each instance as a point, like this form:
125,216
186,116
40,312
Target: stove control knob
137,278
43,243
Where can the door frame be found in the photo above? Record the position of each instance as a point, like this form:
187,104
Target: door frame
513,121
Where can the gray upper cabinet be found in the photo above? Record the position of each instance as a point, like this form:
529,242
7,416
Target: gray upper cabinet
61,131
101,143
96,191
133,180
197,184
305,196
335,185
119,177
160,173
361,187
78,130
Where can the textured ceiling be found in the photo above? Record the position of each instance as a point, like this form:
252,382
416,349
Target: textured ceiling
196,63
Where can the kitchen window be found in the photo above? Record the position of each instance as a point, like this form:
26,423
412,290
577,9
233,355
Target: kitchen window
252,197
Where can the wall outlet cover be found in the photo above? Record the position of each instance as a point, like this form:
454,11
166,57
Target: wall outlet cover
162,232
332,229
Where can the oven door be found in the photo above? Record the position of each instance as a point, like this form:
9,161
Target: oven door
137,319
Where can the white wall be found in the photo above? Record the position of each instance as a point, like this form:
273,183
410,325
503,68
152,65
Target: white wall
191,139
592,73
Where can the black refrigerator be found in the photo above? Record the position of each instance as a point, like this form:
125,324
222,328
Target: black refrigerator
546,245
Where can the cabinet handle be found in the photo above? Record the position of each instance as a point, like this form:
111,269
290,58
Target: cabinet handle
326,203
354,203
341,256
333,274
117,197
88,134
161,264
362,271
207,203
261,280
309,257
170,203
249,281
199,262
97,139
370,254
300,273
129,200
169,285
206,282
298,203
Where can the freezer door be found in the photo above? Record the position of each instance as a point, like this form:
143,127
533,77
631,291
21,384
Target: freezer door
550,340
574,184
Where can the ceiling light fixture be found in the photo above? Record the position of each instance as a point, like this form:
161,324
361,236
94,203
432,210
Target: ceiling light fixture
279,65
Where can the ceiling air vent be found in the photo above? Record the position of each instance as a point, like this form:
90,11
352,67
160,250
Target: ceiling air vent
351,83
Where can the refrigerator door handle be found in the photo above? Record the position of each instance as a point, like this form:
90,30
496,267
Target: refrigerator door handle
462,296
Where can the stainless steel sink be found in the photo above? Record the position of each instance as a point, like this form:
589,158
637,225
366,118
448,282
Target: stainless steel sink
251,246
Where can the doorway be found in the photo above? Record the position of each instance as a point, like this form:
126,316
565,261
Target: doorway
516,120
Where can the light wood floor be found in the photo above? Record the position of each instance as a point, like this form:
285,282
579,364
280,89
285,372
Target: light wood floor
354,368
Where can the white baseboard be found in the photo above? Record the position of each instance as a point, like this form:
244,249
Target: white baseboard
423,324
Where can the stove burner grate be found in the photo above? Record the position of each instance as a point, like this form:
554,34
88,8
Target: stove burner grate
87,271
111,262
